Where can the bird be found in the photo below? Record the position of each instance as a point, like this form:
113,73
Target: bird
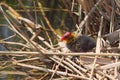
78,43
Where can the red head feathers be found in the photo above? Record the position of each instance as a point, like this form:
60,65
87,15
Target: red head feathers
66,36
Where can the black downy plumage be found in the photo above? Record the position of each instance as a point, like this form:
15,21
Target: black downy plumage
78,43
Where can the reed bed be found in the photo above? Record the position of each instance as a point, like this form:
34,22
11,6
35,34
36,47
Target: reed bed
35,51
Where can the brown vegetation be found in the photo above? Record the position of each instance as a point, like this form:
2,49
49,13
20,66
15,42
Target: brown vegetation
37,53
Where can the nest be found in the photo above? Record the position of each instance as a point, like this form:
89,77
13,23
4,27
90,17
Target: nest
35,51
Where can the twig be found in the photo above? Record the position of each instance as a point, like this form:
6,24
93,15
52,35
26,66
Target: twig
98,47
112,17
8,37
72,5
61,64
46,19
59,54
56,68
49,70
21,4
13,72
69,65
116,68
110,65
86,17
77,66
104,74
30,59
14,43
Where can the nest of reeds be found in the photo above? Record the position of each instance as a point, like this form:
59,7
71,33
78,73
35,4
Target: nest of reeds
35,52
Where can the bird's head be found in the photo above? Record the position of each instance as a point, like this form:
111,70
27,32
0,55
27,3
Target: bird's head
69,37
66,36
